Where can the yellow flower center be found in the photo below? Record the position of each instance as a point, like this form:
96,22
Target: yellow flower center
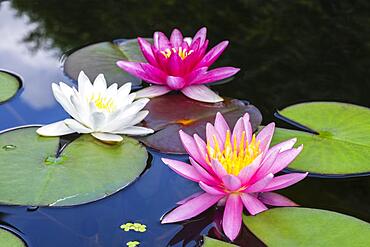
103,103
234,157
183,53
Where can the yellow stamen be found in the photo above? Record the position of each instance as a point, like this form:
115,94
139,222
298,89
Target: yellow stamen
103,103
234,156
183,53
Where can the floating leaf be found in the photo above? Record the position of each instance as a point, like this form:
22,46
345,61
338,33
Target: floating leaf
87,169
8,239
210,242
9,85
101,58
308,227
170,113
342,145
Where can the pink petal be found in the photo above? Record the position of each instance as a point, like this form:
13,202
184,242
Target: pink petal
232,219
174,65
193,76
211,134
146,49
211,190
265,136
201,93
247,172
189,198
191,147
183,169
275,199
285,145
191,208
201,35
216,75
152,91
221,126
231,182
260,184
202,149
247,127
266,165
218,169
149,74
176,38
175,83
213,54
252,204
202,172
161,41
284,159
284,181
237,131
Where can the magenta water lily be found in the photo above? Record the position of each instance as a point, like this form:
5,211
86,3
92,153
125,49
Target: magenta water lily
181,64
234,168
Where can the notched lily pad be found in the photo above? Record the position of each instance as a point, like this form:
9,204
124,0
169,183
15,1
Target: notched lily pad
308,227
87,169
211,242
170,113
342,145
9,85
101,58
8,239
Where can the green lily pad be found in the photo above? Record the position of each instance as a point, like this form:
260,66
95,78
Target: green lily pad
299,227
8,239
170,113
87,169
211,242
9,85
101,58
342,145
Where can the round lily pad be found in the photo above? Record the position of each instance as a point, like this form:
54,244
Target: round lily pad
211,242
8,239
9,85
87,169
342,143
101,58
300,227
170,113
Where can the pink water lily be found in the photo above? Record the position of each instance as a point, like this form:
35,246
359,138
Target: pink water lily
234,168
181,64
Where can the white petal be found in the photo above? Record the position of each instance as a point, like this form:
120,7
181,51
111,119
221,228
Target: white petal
100,85
112,91
124,90
54,129
76,126
66,90
84,85
97,120
106,137
139,117
201,93
136,130
152,91
63,100
125,101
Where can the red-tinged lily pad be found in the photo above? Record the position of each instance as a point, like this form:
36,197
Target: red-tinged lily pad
101,58
170,113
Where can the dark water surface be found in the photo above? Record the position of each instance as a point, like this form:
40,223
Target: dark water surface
289,52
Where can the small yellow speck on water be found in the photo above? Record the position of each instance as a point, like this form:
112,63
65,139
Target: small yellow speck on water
185,121
132,243
137,227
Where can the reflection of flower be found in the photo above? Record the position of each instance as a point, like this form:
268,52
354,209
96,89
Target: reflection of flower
179,64
234,168
103,112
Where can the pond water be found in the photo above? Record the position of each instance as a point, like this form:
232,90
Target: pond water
288,52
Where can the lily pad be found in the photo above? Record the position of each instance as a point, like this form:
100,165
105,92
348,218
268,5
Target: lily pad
101,58
342,145
9,85
301,227
8,239
170,113
211,242
87,170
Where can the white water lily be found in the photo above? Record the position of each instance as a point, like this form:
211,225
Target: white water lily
103,112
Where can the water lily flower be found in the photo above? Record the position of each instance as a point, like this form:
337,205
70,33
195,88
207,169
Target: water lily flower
103,112
181,64
234,168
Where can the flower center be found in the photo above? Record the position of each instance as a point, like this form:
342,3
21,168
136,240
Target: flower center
183,53
103,103
233,156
